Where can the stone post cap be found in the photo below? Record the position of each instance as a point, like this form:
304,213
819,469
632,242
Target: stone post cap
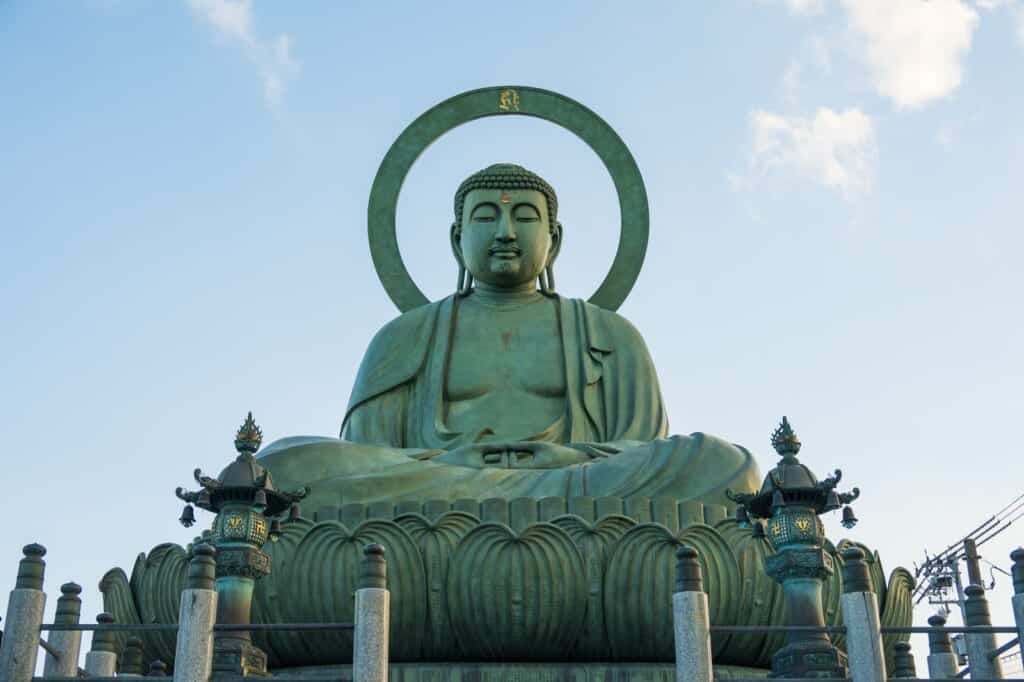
69,604
202,569
903,661
855,571
34,550
938,640
374,567
1017,556
131,657
689,576
104,640
157,669
31,568
976,608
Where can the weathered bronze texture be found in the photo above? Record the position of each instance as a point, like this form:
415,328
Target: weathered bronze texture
243,496
790,500
507,389
509,447
496,101
453,576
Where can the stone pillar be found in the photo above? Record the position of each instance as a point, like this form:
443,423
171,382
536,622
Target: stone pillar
193,658
239,531
860,615
942,662
131,659
980,646
67,642
1018,591
903,661
372,622
24,616
690,620
101,661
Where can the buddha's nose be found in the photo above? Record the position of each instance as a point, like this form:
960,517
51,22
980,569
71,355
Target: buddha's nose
506,230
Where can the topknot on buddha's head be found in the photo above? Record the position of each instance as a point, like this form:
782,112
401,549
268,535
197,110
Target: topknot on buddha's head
506,176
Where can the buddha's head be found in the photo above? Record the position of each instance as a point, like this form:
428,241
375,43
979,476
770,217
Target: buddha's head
506,233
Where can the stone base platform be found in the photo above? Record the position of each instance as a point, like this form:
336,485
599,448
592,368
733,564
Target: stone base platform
519,672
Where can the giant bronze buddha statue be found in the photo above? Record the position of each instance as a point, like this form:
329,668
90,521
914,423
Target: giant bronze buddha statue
509,448
506,388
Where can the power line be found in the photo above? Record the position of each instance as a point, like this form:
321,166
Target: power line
940,573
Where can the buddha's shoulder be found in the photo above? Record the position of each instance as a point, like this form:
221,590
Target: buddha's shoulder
415,321
607,329
397,351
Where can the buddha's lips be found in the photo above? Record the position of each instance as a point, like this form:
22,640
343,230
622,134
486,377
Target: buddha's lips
505,250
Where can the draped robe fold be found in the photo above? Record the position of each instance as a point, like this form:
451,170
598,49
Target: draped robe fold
395,419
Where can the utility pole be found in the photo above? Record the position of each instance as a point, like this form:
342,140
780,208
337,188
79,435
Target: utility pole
939,575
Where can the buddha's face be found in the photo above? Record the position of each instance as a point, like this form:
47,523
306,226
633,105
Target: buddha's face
506,237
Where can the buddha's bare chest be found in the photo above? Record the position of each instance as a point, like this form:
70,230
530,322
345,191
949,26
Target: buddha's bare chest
517,351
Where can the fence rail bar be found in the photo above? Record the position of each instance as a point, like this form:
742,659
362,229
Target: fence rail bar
224,627
109,627
1004,648
336,678
264,627
720,629
50,649
841,629
953,630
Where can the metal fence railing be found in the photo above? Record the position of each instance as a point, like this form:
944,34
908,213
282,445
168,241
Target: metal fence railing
199,636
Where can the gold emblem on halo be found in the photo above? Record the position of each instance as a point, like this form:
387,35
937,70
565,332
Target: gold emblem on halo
508,100
259,526
803,524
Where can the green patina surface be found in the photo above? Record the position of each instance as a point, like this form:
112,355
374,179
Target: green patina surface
563,588
506,389
508,446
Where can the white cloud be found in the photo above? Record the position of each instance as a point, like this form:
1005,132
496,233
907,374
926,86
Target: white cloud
834,149
799,6
233,20
806,6
914,49
993,4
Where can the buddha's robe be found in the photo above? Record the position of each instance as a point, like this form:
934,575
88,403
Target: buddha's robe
394,426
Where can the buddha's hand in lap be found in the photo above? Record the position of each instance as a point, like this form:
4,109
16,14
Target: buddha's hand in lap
519,455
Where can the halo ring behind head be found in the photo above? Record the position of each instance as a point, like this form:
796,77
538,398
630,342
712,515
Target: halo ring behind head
502,101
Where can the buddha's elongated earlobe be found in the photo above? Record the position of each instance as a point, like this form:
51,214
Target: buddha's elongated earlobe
546,280
465,283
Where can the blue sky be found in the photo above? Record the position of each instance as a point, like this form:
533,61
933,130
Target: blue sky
835,201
